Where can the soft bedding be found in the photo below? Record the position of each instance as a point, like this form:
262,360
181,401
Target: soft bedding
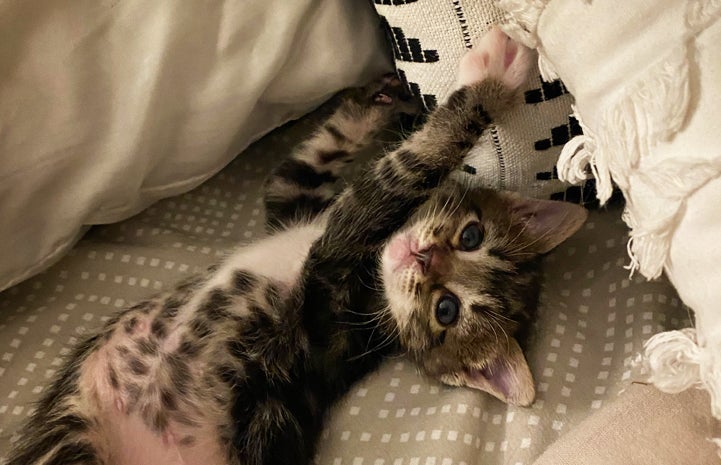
108,106
646,78
592,324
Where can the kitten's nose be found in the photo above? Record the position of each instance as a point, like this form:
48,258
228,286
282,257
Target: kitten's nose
424,258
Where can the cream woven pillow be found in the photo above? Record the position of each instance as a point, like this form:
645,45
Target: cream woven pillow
519,153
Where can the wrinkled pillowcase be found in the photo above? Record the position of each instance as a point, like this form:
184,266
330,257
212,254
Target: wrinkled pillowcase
110,106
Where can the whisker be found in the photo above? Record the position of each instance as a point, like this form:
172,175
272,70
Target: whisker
387,341
498,315
495,322
493,328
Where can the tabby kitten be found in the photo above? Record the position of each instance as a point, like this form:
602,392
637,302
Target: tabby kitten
240,365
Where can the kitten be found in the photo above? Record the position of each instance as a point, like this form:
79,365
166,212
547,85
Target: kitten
239,366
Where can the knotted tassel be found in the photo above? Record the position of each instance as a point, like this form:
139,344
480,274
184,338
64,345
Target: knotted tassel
673,360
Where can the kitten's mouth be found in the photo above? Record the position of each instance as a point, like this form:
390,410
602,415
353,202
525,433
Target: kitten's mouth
404,251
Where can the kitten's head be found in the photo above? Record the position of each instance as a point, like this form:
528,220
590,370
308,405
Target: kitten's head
462,277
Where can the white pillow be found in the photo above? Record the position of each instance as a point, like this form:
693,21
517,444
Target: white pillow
647,81
106,107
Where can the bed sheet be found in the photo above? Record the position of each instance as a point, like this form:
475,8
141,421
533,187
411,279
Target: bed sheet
591,325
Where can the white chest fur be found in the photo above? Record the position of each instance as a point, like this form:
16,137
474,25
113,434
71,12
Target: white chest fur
279,257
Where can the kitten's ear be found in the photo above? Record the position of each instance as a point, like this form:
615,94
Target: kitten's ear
547,222
507,377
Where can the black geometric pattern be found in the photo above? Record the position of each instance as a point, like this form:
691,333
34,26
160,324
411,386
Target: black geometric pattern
547,91
500,156
560,135
585,194
547,175
393,2
407,49
463,22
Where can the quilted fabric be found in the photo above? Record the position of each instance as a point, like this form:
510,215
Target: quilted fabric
591,325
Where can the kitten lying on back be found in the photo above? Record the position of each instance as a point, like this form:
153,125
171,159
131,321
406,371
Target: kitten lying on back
240,366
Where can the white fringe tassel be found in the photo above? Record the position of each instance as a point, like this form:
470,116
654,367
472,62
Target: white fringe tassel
658,205
548,72
648,112
521,20
581,159
675,362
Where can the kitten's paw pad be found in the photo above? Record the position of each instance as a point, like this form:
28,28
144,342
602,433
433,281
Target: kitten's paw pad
498,57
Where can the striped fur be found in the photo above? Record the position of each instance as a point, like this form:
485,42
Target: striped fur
303,185
239,366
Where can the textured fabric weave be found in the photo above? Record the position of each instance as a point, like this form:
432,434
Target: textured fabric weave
635,429
520,152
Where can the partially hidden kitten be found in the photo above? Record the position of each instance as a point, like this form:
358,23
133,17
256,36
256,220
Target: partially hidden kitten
239,366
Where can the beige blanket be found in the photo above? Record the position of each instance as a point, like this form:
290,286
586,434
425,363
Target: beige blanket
593,321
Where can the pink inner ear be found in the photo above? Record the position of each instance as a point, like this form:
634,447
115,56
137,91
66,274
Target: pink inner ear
548,222
506,377
498,375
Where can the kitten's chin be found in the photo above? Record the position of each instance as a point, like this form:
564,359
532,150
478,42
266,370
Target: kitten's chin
398,266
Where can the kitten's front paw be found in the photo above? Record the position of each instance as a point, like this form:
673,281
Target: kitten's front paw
498,57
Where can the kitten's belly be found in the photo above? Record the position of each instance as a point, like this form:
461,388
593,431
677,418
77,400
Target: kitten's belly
129,387
132,443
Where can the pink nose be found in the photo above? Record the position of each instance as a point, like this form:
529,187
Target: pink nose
424,258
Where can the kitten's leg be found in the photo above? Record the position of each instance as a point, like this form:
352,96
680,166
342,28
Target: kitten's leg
59,432
303,185
130,395
382,200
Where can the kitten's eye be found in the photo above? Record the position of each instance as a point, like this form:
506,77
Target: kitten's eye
447,309
471,237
